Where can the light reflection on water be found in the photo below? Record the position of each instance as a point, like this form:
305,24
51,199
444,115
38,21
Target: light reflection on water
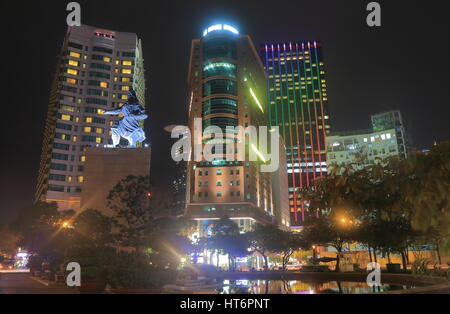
303,287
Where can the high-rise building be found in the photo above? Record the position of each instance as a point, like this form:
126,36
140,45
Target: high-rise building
227,89
297,98
393,120
95,70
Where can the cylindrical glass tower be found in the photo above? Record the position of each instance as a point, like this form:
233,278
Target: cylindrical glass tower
220,92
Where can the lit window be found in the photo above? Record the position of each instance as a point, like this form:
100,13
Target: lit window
75,55
388,136
72,71
125,88
126,71
107,59
128,63
124,97
80,179
83,159
69,179
73,63
87,129
66,117
99,130
104,84
98,140
89,120
126,79
71,81
74,138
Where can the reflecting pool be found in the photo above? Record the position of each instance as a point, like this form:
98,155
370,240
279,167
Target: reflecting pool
302,287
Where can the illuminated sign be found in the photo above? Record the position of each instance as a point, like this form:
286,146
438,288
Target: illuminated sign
221,27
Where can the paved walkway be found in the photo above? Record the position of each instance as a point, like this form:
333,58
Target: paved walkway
23,284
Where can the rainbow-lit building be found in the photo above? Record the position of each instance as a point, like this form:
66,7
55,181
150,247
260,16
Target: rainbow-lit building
297,103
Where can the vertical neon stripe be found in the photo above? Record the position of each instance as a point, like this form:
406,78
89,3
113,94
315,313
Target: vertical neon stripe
294,183
321,100
315,113
268,89
305,159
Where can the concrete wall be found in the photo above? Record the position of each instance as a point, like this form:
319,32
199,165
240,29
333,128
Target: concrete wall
105,167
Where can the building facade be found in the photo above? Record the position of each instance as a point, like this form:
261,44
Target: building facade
393,120
297,98
386,138
95,70
227,89
363,147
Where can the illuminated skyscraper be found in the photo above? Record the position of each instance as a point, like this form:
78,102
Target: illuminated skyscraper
297,98
95,70
227,89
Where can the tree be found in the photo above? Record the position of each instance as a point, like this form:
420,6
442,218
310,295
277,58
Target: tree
436,237
426,187
92,228
8,241
328,231
290,243
226,237
266,239
130,201
170,242
40,230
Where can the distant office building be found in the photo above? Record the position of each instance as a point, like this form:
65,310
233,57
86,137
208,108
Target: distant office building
179,189
386,138
298,97
364,147
95,70
227,88
393,120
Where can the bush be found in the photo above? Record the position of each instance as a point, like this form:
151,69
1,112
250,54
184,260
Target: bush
133,271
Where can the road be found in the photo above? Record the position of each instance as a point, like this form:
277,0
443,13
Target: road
21,283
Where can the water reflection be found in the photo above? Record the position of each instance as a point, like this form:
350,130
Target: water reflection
302,287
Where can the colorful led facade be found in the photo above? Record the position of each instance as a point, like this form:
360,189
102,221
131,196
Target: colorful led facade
297,98
95,70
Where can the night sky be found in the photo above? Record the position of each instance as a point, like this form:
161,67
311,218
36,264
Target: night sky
402,65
